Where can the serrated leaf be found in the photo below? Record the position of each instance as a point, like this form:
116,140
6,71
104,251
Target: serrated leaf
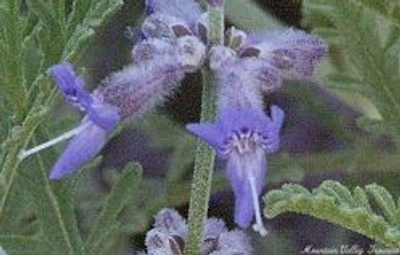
43,10
107,222
58,7
32,62
385,201
30,24
54,209
78,13
376,126
330,34
334,202
337,190
392,39
388,9
371,52
348,84
295,189
3,14
94,16
360,198
14,202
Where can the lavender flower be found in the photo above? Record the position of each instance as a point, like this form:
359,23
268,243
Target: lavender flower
101,118
243,137
128,93
242,134
169,235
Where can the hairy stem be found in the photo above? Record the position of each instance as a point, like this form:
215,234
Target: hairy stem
204,161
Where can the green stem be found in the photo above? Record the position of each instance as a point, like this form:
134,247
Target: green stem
204,160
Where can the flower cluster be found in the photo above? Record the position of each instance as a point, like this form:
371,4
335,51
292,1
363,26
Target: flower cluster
169,234
248,66
170,47
172,43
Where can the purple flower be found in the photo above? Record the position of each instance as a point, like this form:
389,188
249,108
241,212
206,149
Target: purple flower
128,93
89,137
72,88
243,137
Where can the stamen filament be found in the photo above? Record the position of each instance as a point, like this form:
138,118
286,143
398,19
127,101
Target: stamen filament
258,226
26,153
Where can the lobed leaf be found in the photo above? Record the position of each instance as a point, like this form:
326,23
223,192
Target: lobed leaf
82,21
334,202
385,201
370,46
54,209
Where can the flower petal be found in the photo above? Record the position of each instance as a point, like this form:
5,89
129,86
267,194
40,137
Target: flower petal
239,168
71,86
214,227
234,120
170,222
82,148
209,133
103,115
277,116
244,211
233,242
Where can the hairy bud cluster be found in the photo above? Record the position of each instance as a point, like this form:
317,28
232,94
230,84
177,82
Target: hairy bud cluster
169,234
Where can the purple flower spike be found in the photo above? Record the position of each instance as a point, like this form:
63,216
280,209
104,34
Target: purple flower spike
244,137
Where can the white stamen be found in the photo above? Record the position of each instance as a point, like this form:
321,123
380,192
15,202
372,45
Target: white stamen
258,226
25,153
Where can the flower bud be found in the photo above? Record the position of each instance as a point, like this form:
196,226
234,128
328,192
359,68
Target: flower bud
234,38
191,52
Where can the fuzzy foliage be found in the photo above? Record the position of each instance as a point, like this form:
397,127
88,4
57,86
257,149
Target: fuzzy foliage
370,211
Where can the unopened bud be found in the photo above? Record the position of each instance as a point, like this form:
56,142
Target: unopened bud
191,52
234,38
